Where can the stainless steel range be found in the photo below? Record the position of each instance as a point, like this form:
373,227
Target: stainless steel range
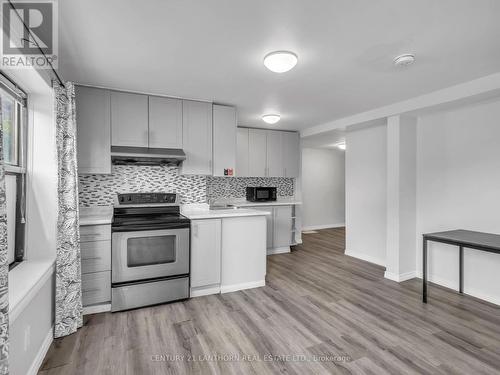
150,251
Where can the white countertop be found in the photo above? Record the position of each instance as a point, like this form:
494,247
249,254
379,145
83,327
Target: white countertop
104,214
96,215
201,211
242,202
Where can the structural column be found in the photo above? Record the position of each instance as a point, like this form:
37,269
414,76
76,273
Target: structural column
401,198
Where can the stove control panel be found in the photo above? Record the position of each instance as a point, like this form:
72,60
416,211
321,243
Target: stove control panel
147,198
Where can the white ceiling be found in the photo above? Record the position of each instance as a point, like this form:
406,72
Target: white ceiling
213,50
324,140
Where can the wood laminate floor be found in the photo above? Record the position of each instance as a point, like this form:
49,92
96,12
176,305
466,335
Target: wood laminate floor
321,312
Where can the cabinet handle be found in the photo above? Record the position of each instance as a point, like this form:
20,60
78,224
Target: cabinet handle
91,258
195,230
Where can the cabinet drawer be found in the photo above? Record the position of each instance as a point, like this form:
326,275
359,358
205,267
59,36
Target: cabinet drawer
96,288
95,233
96,256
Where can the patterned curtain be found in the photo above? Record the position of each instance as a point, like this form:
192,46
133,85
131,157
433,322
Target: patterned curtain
68,273
4,267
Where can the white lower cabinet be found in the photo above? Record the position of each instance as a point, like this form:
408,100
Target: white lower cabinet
282,228
269,224
95,245
205,255
279,228
227,254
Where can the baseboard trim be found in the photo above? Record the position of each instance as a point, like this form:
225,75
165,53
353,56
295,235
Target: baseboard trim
205,291
324,226
365,257
242,286
278,250
453,285
96,309
40,356
400,277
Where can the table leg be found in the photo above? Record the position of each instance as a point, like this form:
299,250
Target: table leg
461,270
424,272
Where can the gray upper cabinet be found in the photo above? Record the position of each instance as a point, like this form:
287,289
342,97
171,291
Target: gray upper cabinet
242,152
94,130
267,153
290,154
257,159
197,137
165,122
129,119
274,154
224,141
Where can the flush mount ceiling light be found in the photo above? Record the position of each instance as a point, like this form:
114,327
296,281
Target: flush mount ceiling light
280,61
404,59
271,119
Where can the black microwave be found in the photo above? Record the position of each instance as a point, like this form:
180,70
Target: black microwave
261,194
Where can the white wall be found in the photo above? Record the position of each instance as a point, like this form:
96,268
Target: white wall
31,304
323,188
366,174
458,186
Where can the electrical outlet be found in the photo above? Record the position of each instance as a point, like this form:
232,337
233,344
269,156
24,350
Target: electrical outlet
27,337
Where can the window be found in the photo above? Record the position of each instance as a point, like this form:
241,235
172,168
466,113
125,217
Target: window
14,119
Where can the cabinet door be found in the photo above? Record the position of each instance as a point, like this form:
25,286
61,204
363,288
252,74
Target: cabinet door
129,119
224,142
257,166
242,152
93,121
165,122
269,224
282,228
205,252
96,288
291,154
197,137
274,157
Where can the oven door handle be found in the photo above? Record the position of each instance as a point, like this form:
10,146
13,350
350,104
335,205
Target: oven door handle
92,258
142,228
91,290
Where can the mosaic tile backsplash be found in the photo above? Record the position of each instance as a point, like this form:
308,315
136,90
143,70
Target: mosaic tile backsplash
225,188
100,190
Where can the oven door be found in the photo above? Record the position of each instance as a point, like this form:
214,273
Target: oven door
142,255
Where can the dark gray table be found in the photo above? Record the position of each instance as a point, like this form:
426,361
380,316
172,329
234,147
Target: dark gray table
461,238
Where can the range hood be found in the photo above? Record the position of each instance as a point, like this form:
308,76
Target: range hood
146,156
